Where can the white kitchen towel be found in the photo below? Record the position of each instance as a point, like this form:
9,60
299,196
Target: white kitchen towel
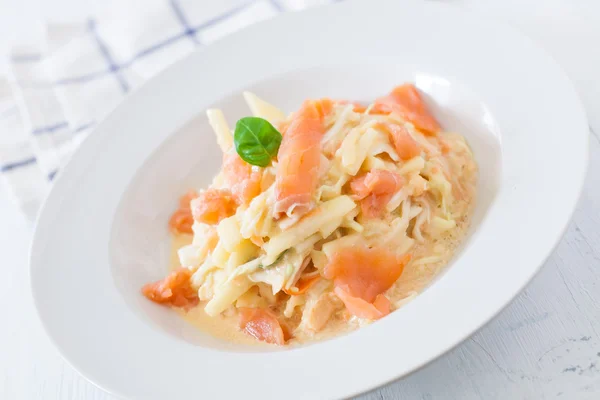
58,90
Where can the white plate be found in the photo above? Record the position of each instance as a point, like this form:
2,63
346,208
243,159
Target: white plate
102,231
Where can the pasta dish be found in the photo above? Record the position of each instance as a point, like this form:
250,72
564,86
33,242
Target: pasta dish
321,221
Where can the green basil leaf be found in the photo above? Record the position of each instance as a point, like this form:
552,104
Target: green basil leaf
256,140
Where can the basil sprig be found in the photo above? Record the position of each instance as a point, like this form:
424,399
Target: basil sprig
256,140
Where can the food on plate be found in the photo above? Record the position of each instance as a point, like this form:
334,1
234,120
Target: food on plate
321,221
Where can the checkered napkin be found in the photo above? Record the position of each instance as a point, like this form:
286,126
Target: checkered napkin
56,92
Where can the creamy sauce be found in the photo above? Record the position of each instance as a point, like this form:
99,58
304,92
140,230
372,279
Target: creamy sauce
417,277
414,279
224,327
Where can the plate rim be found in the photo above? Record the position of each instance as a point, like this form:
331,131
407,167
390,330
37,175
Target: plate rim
43,217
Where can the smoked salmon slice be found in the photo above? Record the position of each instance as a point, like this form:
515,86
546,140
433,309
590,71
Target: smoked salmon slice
263,325
182,220
213,205
374,190
365,272
379,109
174,290
302,285
406,147
358,108
299,159
240,178
363,309
361,275
405,100
325,106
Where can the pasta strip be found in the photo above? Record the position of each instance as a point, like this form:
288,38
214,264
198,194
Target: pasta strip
217,121
263,109
309,224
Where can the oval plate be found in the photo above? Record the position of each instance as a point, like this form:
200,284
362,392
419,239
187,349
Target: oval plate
518,110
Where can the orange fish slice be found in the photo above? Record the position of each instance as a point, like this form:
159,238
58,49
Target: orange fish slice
174,290
363,309
302,285
406,147
379,109
406,101
213,205
365,272
240,178
374,190
263,325
324,106
359,108
299,159
182,220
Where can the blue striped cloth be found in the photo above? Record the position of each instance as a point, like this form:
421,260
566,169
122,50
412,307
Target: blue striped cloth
57,91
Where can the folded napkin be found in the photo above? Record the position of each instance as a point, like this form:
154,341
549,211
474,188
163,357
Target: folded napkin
57,91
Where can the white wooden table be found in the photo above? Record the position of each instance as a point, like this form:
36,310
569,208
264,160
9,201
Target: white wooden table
545,345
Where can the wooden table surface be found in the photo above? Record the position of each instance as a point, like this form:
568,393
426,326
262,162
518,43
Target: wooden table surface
545,345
